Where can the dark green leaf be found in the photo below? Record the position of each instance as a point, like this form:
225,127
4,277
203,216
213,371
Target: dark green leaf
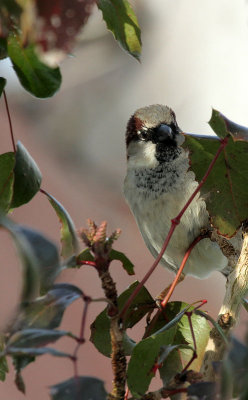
27,177
3,368
47,311
226,188
20,362
170,309
203,390
122,22
2,80
39,258
171,367
174,317
46,253
83,387
126,263
29,260
143,359
34,338
100,334
34,352
36,77
222,126
169,331
19,382
165,351
68,234
7,163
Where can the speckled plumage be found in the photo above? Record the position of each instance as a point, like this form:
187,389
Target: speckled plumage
157,186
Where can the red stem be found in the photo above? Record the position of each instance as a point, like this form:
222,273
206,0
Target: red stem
81,338
177,277
10,123
174,222
148,274
85,262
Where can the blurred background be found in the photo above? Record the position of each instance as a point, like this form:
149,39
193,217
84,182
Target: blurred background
195,56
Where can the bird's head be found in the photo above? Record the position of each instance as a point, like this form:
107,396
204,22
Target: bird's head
153,136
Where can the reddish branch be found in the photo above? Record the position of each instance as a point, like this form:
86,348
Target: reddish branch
81,338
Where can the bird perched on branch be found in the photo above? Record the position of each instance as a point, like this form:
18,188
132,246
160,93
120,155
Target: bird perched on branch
158,183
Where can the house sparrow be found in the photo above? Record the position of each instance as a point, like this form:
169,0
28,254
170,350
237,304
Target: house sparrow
158,183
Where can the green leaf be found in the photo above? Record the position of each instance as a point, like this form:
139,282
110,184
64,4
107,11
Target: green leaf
223,127
226,188
36,77
39,258
175,331
143,359
165,351
46,253
7,163
20,362
2,80
122,22
19,382
171,367
34,352
68,234
126,263
27,177
28,338
29,260
214,323
83,387
100,328
47,311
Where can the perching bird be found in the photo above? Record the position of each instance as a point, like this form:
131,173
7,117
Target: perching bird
157,186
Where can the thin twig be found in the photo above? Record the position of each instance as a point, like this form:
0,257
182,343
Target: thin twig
180,270
173,285
81,338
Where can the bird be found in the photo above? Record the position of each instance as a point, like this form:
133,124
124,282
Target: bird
157,185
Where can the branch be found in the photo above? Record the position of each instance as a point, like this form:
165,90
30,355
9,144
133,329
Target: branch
236,289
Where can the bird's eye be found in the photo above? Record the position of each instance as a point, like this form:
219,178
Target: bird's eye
142,135
164,133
